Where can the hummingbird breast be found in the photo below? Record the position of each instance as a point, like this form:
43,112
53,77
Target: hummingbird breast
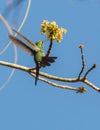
38,57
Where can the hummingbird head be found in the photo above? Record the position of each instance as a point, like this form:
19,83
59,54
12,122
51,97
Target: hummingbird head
39,44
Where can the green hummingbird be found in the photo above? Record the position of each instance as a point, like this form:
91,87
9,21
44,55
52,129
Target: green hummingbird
41,60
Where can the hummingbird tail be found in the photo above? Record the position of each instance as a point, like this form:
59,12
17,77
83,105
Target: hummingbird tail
51,59
37,73
46,61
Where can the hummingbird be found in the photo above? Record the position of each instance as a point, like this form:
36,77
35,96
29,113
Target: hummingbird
36,50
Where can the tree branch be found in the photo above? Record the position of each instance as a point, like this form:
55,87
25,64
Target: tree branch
48,76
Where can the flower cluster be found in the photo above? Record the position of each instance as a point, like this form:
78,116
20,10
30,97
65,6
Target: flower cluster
52,30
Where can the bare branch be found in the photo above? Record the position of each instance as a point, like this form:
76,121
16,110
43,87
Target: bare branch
93,66
91,85
23,68
83,61
33,71
55,84
12,65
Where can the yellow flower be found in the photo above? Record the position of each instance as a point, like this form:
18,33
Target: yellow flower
45,22
59,37
52,30
63,30
44,29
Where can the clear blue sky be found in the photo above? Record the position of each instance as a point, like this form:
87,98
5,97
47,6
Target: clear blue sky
23,106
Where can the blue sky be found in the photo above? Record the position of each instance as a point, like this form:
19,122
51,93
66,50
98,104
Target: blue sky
24,106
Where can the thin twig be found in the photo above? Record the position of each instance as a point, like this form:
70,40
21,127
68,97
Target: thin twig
50,48
93,66
83,60
55,84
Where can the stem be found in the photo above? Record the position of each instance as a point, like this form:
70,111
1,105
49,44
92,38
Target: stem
50,48
83,60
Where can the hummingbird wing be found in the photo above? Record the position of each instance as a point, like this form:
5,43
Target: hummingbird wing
28,41
21,44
